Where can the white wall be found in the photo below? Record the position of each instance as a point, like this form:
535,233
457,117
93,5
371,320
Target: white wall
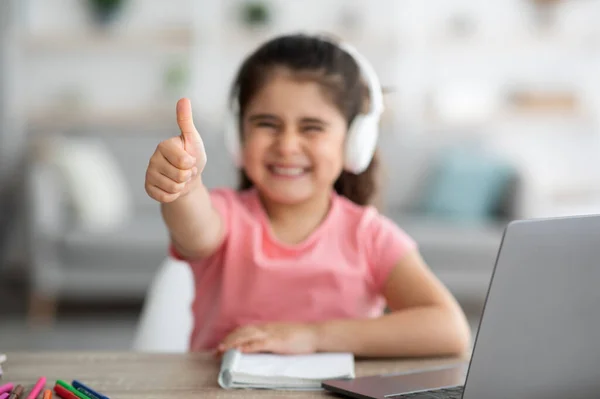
410,42
11,129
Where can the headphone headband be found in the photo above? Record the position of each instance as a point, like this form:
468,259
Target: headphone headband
370,77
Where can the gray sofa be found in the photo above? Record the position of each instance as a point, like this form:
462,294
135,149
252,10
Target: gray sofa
67,262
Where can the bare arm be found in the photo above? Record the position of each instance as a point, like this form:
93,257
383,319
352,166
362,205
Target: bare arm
425,320
174,178
195,227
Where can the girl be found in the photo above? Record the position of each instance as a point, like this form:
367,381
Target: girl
298,260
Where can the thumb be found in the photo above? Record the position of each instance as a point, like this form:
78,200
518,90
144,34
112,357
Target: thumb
189,134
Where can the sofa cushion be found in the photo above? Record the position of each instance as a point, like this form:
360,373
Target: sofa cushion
406,162
467,184
100,196
141,243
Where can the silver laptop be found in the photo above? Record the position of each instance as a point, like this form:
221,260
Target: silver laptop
539,334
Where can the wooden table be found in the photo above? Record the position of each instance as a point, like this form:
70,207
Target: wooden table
130,375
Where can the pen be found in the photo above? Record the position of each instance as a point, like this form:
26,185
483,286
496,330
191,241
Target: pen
7,388
47,394
69,388
87,390
63,393
37,388
16,393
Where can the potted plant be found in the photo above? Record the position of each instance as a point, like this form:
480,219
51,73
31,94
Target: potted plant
104,11
255,14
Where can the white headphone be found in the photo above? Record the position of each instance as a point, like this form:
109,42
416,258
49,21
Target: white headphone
361,140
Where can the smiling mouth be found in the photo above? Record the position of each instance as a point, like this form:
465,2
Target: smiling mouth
287,171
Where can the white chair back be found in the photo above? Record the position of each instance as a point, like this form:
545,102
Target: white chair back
166,319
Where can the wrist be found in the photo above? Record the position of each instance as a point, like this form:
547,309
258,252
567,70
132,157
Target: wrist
323,331
193,188
342,335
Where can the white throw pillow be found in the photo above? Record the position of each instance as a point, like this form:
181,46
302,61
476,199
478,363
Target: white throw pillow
95,183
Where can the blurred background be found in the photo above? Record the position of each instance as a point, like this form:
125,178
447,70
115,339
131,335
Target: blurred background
492,114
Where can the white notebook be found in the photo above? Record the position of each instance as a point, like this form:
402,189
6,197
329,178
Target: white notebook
284,372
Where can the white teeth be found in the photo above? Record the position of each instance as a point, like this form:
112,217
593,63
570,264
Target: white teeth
288,171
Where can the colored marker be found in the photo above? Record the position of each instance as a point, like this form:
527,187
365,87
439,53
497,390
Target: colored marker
7,387
47,394
69,388
87,390
63,393
17,392
4,395
37,388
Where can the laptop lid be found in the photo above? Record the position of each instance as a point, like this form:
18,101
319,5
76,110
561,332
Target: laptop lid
539,335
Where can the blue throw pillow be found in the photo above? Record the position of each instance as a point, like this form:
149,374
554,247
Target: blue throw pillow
467,184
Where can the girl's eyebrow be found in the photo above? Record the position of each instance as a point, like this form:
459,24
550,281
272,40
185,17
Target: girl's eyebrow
271,117
313,120
255,117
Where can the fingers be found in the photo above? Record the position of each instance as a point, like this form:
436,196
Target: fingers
165,183
160,195
170,171
242,336
236,342
175,155
259,345
268,344
185,121
173,173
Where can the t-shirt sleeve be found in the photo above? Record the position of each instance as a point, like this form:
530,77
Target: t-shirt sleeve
221,199
387,244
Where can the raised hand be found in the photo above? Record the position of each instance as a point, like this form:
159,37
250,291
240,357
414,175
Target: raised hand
177,164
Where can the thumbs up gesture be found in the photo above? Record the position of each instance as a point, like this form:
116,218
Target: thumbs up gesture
176,165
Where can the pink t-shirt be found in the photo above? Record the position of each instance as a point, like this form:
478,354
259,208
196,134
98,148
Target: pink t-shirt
337,272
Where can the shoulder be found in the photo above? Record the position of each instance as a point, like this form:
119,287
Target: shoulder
352,213
382,239
365,218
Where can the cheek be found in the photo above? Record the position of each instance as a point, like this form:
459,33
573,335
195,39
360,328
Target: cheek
253,150
331,155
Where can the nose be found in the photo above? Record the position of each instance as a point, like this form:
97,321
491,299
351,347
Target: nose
288,142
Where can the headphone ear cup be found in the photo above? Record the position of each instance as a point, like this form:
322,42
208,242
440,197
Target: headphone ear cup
232,139
361,143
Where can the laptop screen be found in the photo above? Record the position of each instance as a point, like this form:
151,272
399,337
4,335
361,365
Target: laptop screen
539,335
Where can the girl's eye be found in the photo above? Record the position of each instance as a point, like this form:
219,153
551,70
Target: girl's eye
270,125
312,128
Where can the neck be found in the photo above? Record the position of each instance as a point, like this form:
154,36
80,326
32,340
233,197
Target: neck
293,223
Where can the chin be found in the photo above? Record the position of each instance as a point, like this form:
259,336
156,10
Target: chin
287,196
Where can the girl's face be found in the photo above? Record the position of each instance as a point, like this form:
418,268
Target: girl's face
293,140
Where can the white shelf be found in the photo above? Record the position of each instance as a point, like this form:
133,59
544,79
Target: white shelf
51,120
172,40
527,43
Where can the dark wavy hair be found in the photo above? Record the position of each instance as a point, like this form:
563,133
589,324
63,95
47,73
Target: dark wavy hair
321,60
